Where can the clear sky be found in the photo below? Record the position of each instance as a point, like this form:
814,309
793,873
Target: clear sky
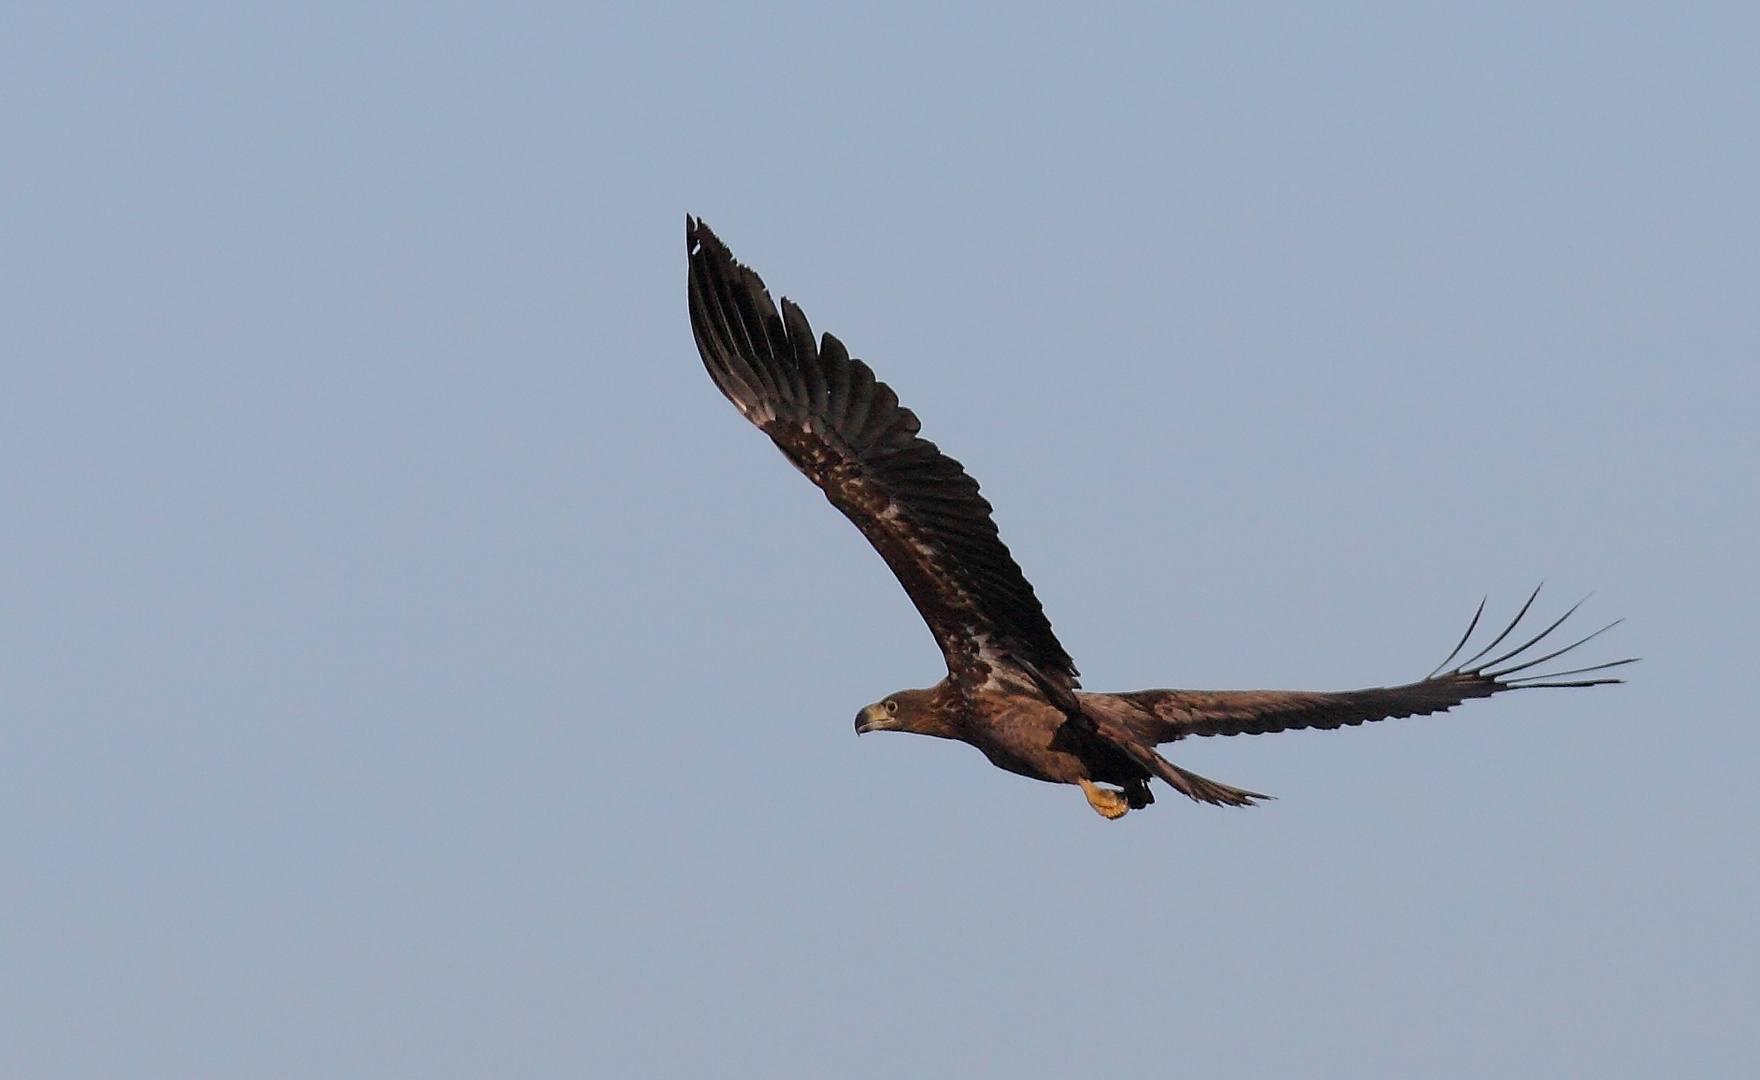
410,665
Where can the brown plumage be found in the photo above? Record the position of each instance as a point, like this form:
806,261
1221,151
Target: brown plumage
1011,689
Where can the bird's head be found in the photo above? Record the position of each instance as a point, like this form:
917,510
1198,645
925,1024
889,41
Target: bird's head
908,710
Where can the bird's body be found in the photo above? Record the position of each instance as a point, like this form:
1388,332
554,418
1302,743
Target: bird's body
1011,690
1015,726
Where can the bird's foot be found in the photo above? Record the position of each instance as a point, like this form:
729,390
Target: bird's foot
1106,802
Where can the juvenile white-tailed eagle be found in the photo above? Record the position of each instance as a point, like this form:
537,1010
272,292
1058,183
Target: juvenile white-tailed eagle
1011,689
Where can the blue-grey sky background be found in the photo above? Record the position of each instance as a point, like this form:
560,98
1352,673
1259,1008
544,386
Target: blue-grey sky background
411,666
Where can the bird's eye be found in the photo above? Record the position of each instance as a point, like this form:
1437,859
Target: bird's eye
891,708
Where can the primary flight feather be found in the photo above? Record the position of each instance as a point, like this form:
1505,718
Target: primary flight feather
1011,690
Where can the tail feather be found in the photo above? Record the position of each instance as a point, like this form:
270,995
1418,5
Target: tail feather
1184,781
1202,789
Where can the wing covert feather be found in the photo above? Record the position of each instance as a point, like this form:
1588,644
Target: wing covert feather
1179,713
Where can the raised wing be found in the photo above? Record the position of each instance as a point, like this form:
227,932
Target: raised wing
1167,715
829,416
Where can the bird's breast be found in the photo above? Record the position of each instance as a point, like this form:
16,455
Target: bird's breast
1017,734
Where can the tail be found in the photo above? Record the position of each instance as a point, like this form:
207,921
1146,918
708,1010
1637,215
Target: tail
1184,781
1202,789
1193,786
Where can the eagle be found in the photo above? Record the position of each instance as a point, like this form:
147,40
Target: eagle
1011,689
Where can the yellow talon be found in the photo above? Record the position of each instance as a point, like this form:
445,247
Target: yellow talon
1106,802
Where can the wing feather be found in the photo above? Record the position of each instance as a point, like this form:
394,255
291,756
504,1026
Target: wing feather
1167,715
847,432
835,363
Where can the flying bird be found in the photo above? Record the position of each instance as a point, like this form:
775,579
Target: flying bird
1011,690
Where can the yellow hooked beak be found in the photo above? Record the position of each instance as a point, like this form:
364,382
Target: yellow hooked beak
876,717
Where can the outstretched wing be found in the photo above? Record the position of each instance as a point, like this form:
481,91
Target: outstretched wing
1167,715
829,416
